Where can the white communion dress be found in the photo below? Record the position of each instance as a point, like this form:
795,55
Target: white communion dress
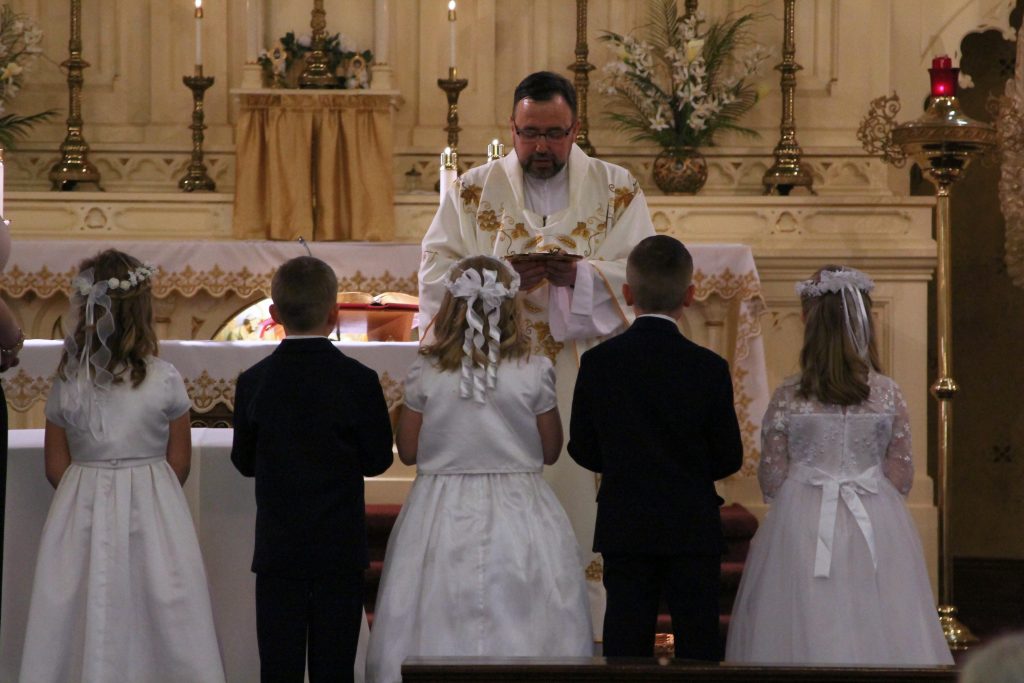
836,574
120,592
482,559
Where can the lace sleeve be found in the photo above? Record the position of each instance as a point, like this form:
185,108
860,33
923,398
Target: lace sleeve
899,462
774,465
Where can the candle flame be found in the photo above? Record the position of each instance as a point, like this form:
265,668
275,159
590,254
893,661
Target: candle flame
451,5
199,4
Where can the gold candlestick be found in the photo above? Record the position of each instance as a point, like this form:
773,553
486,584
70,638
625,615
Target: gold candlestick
788,172
942,142
582,69
317,73
74,168
452,86
196,178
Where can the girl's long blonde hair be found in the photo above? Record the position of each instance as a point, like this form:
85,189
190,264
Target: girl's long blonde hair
831,369
450,323
133,340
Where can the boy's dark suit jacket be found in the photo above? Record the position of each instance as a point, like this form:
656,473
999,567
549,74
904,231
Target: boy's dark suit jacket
310,423
653,413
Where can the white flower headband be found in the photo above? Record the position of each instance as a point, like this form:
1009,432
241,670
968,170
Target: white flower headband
851,285
88,367
478,378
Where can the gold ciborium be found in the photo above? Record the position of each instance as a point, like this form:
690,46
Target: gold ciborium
943,141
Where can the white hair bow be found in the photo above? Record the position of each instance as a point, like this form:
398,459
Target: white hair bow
478,378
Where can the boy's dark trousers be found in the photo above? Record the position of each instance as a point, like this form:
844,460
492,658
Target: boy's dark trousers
634,585
321,616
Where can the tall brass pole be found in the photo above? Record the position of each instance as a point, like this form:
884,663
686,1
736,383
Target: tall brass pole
943,141
317,73
788,171
582,69
74,166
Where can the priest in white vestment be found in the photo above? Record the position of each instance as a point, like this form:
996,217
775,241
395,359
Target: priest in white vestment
548,194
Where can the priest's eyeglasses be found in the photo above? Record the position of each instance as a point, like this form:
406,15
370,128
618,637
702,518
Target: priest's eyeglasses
551,134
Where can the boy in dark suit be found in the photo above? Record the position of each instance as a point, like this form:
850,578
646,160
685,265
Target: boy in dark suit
653,413
310,423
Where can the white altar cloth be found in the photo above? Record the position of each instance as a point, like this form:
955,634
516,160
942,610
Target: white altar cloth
45,267
208,368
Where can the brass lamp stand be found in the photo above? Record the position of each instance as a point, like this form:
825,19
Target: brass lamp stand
582,68
943,141
788,171
452,86
196,177
74,168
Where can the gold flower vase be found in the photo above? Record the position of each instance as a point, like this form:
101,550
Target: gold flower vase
680,171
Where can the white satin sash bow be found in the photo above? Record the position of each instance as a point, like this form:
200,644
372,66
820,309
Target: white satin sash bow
478,378
850,490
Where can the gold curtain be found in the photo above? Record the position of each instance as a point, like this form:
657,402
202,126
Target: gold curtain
314,165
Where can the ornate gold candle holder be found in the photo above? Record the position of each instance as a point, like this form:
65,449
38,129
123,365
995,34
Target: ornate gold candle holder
452,86
74,168
317,73
196,177
788,171
582,68
943,141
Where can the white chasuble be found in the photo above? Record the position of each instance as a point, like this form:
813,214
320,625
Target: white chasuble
484,213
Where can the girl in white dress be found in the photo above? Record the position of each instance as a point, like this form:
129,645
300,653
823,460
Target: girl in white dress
835,574
482,559
120,592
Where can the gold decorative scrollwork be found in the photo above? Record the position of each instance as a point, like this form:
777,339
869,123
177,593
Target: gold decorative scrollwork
875,132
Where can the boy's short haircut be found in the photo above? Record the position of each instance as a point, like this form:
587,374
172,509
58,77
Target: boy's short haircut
659,270
304,290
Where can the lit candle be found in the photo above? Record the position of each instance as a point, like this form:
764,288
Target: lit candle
944,77
199,32
448,172
451,34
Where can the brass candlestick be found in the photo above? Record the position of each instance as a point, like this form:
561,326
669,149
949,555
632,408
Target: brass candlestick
196,177
942,142
317,73
582,69
788,171
74,168
452,86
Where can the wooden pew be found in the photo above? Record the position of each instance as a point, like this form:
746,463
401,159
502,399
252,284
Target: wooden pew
599,669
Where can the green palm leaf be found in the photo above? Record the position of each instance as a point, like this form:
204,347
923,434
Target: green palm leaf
14,127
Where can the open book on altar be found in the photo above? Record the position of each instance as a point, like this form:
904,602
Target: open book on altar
395,300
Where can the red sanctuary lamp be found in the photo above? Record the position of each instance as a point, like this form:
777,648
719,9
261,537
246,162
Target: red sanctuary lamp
944,77
943,141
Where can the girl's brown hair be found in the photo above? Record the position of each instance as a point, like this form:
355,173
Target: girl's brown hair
133,340
450,323
831,370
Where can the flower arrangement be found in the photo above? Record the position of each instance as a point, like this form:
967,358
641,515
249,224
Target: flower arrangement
291,50
20,39
683,83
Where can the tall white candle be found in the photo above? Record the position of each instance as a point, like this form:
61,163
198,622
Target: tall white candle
451,33
254,30
199,32
447,173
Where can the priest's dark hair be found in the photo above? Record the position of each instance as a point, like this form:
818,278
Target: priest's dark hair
305,291
543,86
659,270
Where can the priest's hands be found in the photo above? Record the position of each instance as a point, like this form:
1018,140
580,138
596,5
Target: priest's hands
561,273
533,273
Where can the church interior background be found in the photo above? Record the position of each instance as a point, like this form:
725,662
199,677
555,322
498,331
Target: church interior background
366,206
